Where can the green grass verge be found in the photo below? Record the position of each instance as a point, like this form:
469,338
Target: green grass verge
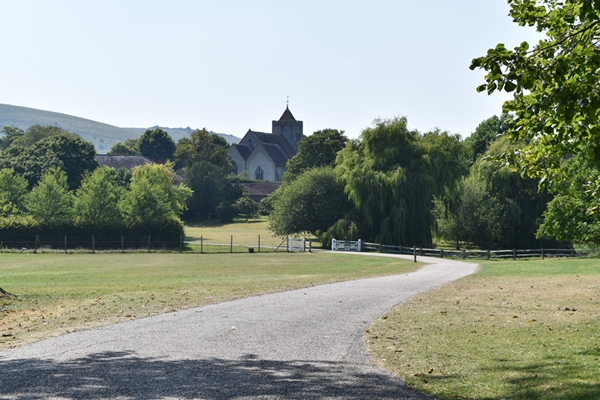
516,330
60,293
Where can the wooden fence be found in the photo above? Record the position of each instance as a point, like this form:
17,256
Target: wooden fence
474,254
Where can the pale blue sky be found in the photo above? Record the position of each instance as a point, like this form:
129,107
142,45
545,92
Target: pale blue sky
229,65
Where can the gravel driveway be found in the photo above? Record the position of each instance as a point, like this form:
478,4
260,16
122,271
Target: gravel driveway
302,344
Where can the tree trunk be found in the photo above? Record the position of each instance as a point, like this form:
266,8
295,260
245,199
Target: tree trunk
6,294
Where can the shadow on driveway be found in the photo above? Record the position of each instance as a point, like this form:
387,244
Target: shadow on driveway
123,375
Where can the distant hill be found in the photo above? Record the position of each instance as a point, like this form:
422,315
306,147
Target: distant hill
178,133
103,136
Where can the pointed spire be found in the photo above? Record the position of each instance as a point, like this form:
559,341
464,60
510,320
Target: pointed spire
287,116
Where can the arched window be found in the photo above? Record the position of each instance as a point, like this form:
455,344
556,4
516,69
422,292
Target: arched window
259,174
234,168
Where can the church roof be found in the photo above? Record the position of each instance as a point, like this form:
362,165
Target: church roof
279,140
244,150
287,116
276,154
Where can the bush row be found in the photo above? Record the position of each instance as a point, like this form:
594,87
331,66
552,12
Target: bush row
14,231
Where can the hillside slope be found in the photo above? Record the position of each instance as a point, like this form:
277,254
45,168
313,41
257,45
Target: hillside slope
103,136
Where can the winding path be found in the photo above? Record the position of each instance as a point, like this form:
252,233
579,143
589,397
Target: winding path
302,344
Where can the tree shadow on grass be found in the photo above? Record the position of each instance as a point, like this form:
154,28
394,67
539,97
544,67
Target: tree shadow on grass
124,375
553,377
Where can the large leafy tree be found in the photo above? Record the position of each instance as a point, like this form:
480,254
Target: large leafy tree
13,189
42,148
495,206
205,164
568,216
478,219
9,135
245,205
486,133
96,201
392,174
129,146
555,85
153,197
317,150
51,201
157,145
310,204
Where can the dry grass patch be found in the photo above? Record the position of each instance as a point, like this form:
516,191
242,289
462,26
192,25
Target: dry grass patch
500,336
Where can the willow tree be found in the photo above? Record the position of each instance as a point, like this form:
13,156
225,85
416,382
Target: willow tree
392,175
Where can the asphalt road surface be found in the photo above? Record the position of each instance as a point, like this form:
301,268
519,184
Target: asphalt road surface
302,344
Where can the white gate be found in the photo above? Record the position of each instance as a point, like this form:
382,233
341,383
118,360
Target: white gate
296,244
346,245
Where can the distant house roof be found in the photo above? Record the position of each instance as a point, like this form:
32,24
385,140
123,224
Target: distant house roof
122,161
260,190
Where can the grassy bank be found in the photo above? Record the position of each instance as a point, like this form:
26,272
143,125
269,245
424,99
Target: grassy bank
60,293
516,330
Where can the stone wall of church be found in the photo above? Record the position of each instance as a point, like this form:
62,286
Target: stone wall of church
269,170
238,160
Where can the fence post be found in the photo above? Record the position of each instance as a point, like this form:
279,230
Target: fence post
259,243
180,243
514,254
310,246
359,245
201,243
287,243
148,243
488,254
65,244
542,253
441,253
415,252
464,254
572,252
37,240
122,244
231,244
93,245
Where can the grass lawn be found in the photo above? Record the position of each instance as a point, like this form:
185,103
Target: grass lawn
59,293
241,230
526,329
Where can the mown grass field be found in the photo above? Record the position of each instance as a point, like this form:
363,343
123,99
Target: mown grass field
516,330
239,229
59,293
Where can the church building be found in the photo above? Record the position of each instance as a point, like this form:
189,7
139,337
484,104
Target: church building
264,155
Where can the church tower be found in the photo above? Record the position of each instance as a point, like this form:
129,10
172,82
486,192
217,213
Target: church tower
289,128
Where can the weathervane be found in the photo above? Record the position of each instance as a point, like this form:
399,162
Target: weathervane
287,102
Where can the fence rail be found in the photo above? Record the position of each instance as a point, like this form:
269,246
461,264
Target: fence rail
474,254
69,244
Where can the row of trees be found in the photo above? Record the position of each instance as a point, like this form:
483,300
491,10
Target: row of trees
101,204
398,186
